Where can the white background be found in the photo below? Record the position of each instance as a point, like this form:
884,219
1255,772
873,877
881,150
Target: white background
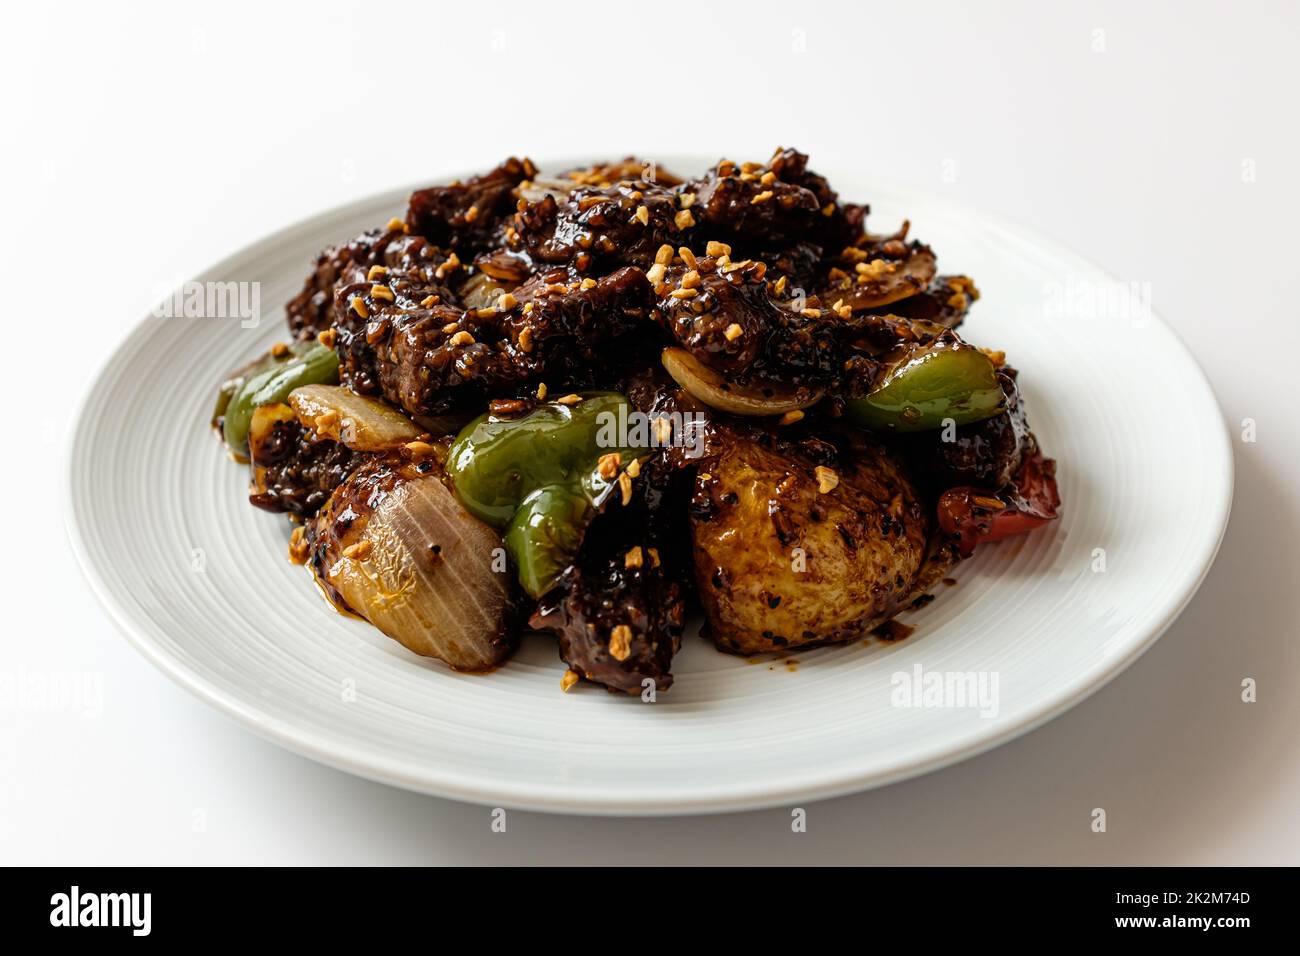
145,142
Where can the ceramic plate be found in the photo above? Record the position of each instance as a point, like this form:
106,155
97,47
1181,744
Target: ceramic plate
198,581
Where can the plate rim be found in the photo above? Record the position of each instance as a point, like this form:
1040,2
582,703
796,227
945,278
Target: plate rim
565,799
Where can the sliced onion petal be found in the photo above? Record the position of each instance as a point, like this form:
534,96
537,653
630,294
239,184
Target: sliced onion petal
361,423
427,579
481,290
542,186
908,278
754,398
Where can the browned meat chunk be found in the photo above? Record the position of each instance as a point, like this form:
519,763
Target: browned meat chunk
423,355
311,311
468,216
757,205
619,610
292,472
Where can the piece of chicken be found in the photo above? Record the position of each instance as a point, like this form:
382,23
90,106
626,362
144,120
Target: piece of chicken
801,542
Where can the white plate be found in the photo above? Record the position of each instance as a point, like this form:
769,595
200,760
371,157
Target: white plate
198,581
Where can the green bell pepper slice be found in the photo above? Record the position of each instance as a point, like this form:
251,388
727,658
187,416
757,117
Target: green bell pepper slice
235,381
316,366
926,386
538,478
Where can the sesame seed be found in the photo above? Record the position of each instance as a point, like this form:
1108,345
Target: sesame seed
419,449
359,551
299,547
451,265
790,417
607,465
827,479
620,642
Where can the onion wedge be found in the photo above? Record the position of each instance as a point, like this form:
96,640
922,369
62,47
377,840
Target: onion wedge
884,282
363,424
396,547
752,399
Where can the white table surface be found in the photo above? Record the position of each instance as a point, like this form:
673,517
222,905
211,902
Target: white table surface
144,143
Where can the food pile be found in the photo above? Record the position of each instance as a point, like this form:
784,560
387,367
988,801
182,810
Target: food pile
589,404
